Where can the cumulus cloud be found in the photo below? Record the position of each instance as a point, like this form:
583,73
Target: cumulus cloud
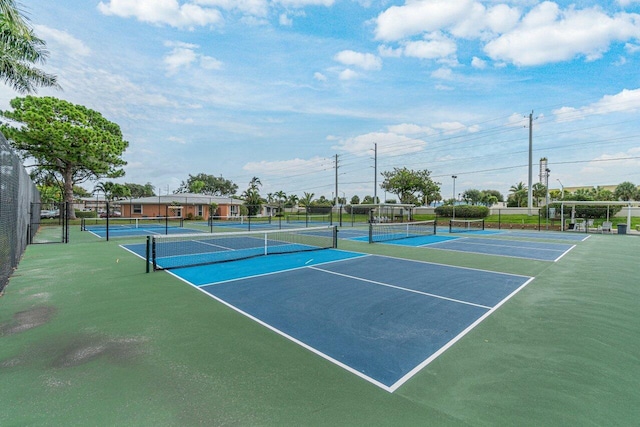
71,45
348,74
415,17
443,74
548,34
434,46
287,167
258,8
545,34
628,101
165,12
478,63
389,143
303,3
183,55
284,20
366,61
320,77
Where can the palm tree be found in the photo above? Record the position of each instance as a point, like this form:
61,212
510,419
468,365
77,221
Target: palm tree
306,201
626,191
20,48
292,200
255,183
539,192
106,189
519,192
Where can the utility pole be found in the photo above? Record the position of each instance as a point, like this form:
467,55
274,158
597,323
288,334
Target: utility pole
530,193
375,172
336,199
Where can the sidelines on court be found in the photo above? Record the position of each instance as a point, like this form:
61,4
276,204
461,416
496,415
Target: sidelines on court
401,313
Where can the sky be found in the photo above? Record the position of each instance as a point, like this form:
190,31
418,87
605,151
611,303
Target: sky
285,90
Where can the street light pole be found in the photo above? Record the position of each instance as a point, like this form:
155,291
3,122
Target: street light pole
547,170
562,189
454,195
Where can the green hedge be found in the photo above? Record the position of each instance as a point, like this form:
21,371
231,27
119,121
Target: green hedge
463,211
583,211
86,214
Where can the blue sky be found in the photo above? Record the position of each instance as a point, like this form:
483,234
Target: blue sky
276,88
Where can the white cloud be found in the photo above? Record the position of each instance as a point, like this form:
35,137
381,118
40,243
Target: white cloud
415,17
478,63
545,34
186,121
183,55
366,61
303,3
287,167
179,58
517,120
548,34
210,63
627,101
409,129
632,48
443,74
70,45
434,46
389,52
258,8
625,3
163,12
389,143
177,140
320,77
285,20
348,74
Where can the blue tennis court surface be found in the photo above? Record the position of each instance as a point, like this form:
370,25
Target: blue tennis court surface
380,318
549,235
542,251
143,231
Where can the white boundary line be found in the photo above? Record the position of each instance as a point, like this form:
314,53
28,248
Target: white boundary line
282,271
348,368
361,279
287,336
457,338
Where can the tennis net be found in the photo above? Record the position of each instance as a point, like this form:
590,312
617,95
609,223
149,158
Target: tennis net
465,225
184,250
99,224
380,232
309,219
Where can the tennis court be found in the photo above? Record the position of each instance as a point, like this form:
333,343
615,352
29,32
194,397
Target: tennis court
85,330
542,251
380,318
131,227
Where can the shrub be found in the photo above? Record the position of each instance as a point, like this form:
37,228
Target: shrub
463,211
584,211
86,214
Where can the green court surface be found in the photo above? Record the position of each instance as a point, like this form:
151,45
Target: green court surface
87,338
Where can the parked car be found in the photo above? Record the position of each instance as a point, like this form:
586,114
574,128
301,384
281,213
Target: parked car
53,213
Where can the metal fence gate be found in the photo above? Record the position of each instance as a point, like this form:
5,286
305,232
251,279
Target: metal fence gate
49,223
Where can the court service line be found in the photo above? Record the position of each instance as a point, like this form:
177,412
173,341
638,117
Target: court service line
510,246
401,288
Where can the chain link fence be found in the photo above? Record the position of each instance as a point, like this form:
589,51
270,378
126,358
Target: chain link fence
17,193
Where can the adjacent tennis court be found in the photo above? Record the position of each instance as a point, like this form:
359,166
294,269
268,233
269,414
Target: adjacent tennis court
380,318
542,251
130,227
